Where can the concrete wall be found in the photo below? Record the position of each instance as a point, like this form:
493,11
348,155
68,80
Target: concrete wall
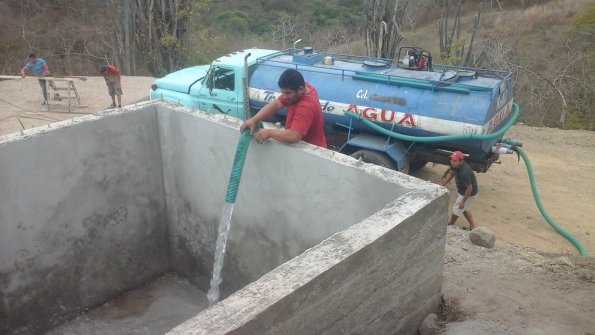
82,216
321,242
380,276
288,201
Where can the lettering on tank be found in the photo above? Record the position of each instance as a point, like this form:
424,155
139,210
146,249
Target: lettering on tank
498,118
384,115
363,94
389,100
370,113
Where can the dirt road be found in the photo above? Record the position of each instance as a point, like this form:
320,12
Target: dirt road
20,101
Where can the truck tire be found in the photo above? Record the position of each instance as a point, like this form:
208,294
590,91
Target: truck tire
375,157
416,165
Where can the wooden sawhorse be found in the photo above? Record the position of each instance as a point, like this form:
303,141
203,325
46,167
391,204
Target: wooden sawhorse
54,90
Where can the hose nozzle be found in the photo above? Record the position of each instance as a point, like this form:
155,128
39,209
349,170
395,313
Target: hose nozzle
501,149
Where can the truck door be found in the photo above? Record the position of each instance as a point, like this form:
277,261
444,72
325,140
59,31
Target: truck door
220,94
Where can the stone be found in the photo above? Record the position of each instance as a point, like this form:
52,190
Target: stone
562,261
430,325
483,236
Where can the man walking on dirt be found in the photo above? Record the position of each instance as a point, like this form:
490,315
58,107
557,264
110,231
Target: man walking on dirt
304,120
39,68
466,187
113,81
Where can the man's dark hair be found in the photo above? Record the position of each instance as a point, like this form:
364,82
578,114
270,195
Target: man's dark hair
32,55
291,79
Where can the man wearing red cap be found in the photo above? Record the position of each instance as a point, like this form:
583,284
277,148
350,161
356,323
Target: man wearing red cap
466,187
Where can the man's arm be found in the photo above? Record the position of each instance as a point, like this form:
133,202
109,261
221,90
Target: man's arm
447,176
112,69
264,113
24,72
466,196
282,135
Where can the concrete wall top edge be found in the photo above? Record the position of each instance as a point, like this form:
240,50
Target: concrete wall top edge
144,105
228,121
385,174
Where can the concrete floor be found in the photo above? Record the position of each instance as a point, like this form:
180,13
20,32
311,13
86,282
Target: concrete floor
153,308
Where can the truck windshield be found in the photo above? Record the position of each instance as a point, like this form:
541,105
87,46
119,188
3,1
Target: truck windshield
221,78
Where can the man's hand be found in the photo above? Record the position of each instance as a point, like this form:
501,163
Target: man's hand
262,135
23,76
462,205
251,124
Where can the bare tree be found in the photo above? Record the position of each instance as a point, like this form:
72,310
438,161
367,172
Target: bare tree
382,21
551,97
121,41
452,47
157,27
288,30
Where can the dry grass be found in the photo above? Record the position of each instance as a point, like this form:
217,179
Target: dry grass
526,21
533,38
502,24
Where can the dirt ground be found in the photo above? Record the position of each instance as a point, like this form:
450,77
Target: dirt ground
522,286
20,101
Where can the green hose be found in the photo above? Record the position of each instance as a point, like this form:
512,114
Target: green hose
441,138
238,165
493,135
549,220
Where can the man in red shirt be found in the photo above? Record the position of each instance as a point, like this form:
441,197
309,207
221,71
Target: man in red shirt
304,119
114,83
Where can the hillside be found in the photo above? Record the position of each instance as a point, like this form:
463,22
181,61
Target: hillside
546,45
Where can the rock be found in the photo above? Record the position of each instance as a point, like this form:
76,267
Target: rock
430,325
483,236
562,261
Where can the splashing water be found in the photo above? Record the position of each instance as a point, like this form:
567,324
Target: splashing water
224,223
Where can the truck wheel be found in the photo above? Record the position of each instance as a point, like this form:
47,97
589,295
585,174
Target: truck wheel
416,165
375,157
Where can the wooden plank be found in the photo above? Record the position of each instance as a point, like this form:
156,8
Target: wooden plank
71,78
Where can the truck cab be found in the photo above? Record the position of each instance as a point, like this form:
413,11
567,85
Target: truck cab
216,88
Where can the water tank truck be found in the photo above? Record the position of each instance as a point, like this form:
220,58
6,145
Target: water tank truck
400,113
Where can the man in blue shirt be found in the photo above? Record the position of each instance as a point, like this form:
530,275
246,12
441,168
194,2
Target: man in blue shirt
39,68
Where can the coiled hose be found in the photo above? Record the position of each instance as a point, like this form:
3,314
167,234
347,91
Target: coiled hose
238,166
494,135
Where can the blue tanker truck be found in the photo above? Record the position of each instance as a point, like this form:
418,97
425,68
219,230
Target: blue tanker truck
400,113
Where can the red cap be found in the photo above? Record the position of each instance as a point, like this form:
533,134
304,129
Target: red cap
457,156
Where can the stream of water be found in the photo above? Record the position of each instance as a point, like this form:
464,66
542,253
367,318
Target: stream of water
224,223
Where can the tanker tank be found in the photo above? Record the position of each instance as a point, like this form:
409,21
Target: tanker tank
416,99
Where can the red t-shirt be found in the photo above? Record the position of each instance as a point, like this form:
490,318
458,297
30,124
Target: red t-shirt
112,70
305,116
